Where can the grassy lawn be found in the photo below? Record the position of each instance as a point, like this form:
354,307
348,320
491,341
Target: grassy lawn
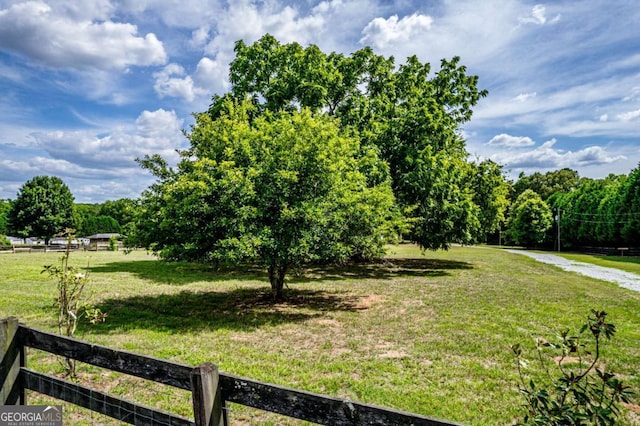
629,264
425,333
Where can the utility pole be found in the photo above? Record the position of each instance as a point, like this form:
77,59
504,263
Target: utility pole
558,221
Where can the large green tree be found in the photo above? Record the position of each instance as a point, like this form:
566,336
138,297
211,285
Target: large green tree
43,208
411,115
281,188
529,219
491,193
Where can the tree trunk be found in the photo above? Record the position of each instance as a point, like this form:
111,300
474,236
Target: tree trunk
277,272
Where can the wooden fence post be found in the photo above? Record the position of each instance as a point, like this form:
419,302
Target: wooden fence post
208,408
11,389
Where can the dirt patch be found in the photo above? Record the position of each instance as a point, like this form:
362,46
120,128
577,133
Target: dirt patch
572,360
369,301
632,407
388,350
567,360
634,413
426,362
393,354
328,322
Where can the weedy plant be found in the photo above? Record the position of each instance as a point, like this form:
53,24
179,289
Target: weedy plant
582,392
69,300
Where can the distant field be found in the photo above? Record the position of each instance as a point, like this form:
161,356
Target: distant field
428,333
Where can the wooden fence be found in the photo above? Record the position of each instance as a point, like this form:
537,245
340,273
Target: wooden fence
210,388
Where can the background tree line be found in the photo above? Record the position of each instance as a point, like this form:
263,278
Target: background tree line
44,207
591,212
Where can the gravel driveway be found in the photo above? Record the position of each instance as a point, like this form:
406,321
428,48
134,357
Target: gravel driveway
622,278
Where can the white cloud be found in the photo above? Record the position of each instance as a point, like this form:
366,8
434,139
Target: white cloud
538,16
249,21
160,128
154,132
548,157
565,110
523,97
635,92
576,78
86,9
45,36
209,78
383,33
98,192
96,165
39,165
176,14
87,184
628,116
483,35
506,140
200,37
171,81
343,22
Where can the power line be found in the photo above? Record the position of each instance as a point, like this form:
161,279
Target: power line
597,221
605,214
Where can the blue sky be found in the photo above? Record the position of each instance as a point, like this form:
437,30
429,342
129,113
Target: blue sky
88,86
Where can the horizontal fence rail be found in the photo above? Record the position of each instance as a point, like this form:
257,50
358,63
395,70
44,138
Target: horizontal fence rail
99,402
154,369
293,403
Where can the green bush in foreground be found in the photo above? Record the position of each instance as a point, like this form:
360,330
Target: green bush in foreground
583,393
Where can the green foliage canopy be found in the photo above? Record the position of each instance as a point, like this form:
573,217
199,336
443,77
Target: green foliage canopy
491,194
122,210
99,225
283,188
43,208
529,219
602,212
563,180
409,114
630,207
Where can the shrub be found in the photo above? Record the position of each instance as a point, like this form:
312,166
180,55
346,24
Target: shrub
69,300
583,392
